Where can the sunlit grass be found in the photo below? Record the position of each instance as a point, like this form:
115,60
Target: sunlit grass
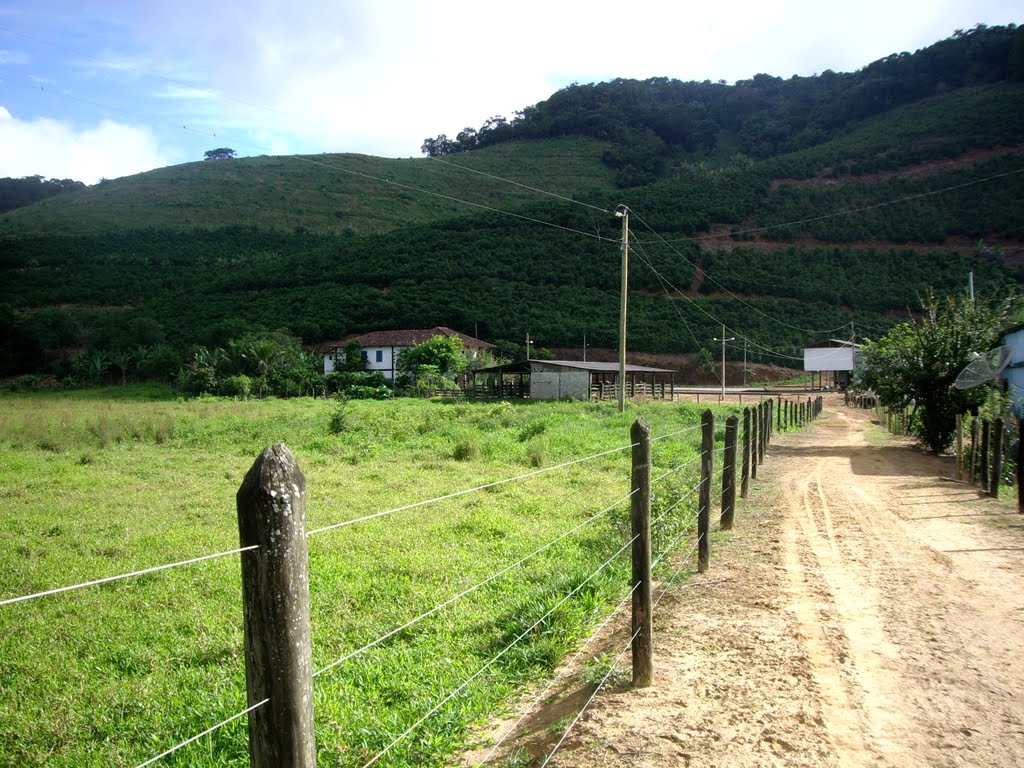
92,486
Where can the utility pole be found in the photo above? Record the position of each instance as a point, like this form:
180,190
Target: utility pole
584,347
623,213
723,340
528,343
744,361
970,285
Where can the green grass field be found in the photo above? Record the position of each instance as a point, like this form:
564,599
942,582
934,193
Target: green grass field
107,482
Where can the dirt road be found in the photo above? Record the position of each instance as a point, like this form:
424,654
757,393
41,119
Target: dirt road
866,611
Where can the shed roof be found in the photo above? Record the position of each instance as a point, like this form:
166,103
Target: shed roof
527,366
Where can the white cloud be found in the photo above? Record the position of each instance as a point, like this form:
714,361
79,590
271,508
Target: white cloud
57,150
13,57
185,92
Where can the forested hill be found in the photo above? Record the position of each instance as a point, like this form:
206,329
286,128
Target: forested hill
786,209
653,122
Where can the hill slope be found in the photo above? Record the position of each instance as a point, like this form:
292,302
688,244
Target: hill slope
784,247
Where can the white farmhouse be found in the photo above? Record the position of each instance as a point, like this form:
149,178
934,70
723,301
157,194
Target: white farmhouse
380,349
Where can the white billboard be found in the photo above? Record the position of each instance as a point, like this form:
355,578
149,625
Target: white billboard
829,358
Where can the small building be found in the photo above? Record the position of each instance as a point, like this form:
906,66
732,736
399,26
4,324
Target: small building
834,360
1013,374
570,380
380,349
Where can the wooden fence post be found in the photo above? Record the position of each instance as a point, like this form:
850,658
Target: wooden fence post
986,431
753,443
997,458
271,506
707,457
974,450
640,508
778,415
745,469
762,430
959,447
1020,466
729,474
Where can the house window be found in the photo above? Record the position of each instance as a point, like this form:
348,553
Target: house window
365,354
380,355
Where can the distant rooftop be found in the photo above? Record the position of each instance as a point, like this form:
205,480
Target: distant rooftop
403,338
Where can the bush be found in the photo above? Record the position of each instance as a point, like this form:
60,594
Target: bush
237,386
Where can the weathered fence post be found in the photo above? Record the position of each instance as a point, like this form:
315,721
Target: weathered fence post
986,431
275,588
1020,466
959,447
640,508
762,430
997,458
745,469
974,450
778,415
729,474
707,457
753,443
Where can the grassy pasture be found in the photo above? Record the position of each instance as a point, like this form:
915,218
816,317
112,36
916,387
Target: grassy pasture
109,482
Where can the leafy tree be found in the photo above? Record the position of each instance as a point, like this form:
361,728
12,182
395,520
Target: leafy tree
221,153
916,363
351,358
434,363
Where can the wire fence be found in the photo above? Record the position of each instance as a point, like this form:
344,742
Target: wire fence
682,525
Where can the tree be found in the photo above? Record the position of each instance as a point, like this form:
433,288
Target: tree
916,363
221,153
440,359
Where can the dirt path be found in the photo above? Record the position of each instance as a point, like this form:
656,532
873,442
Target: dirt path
866,611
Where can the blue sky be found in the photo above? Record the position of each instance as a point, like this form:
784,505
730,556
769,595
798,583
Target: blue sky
106,89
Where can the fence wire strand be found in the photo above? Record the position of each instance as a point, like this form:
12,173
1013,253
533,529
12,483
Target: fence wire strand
472,589
671,546
568,665
678,468
456,494
678,570
109,579
678,501
204,733
501,653
675,434
611,669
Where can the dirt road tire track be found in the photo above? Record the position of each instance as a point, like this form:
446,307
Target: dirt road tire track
866,611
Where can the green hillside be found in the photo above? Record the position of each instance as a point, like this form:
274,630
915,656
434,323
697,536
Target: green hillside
785,209
331,193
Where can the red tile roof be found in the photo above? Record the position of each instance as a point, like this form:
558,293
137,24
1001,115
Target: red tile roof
403,339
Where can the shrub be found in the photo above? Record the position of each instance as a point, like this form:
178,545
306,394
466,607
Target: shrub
237,386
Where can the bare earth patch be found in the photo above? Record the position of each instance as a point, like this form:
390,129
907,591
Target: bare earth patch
866,611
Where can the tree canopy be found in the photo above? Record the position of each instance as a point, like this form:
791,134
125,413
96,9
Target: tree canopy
915,364
221,153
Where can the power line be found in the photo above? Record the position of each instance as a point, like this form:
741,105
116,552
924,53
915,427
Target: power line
520,184
730,293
